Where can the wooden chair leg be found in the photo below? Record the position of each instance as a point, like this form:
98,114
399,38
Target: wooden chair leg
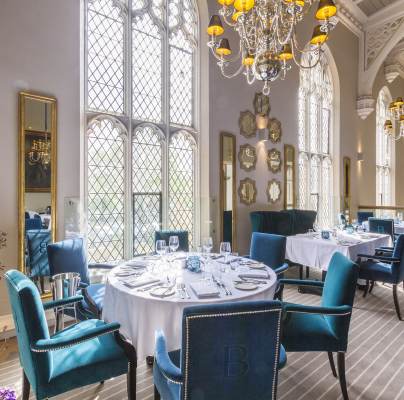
372,285
301,272
131,380
396,303
331,359
25,386
366,290
307,272
156,394
341,374
150,361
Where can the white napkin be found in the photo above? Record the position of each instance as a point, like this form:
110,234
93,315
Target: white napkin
140,282
204,289
137,264
255,275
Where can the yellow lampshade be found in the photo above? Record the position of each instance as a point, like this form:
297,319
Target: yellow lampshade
299,3
224,48
236,15
225,2
286,53
215,27
326,9
392,106
401,119
399,102
388,125
248,60
244,5
319,37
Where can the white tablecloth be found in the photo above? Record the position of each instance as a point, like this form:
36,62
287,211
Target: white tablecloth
313,251
140,314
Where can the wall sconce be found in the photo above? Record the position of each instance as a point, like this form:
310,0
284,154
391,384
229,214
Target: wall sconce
360,156
261,109
261,121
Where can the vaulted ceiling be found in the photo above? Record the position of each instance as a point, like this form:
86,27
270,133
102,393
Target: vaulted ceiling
370,7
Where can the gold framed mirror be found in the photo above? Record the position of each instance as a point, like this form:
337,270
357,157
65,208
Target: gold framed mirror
228,201
346,201
36,186
289,181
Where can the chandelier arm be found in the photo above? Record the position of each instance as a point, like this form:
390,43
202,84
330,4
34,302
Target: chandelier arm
300,64
290,32
240,69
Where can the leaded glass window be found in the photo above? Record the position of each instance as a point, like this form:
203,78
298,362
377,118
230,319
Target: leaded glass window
315,138
383,152
141,85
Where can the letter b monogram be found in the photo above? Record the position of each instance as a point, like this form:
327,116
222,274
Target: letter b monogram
236,364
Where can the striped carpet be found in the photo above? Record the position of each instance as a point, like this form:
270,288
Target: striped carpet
375,360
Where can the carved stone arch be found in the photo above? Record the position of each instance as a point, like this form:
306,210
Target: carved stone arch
116,123
155,128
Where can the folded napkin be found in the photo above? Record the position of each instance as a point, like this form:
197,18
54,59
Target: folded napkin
255,275
204,289
140,282
136,264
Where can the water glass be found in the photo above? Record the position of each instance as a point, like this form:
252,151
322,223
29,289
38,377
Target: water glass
207,244
225,250
173,243
161,247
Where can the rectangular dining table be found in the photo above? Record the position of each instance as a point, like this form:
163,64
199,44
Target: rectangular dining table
311,250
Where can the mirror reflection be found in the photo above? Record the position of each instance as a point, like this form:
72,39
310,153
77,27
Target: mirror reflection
37,152
228,187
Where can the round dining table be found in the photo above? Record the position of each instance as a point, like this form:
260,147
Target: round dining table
140,313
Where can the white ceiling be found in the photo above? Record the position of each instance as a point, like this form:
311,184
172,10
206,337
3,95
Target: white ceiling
370,7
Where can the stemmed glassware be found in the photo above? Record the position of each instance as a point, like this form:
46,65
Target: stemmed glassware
173,243
207,245
161,247
225,250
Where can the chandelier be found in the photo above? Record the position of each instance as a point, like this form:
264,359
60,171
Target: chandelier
267,36
39,152
396,115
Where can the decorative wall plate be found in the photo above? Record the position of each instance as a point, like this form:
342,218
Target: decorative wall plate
274,191
274,160
247,191
247,157
261,104
275,130
247,124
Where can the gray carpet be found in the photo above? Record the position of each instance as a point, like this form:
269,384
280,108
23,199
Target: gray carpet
375,360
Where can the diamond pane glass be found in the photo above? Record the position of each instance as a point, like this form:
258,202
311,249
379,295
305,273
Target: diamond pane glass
105,66
181,80
147,100
106,177
181,183
147,167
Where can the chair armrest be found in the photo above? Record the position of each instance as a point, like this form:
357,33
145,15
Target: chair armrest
170,371
91,303
305,282
62,302
281,269
83,285
380,258
102,266
44,345
300,308
385,249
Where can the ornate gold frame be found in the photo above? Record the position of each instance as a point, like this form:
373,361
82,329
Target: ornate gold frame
278,154
286,148
241,151
277,183
346,197
21,171
240,187
234,187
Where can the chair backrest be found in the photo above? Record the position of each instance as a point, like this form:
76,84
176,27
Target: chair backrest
182,238
268,248
342,219
363,216
339,290
303,220
398,269
30,324
380,225
68,256
33,223
227,223
37,242
231,351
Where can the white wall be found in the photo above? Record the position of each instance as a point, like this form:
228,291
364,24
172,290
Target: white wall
40,52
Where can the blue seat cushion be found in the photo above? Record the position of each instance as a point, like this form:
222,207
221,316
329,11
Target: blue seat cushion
309,332
376,271
88,362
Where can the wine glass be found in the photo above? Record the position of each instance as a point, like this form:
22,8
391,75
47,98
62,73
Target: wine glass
208,244
173,243
161,247
225,250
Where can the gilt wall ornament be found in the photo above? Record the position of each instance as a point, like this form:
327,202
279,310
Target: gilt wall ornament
261,104
247,157
274,130
274,191
247,191
247,124
274,160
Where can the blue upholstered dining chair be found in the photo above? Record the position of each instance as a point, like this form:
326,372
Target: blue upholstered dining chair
70,256
363,216
182,238
270,250
387,267
82,354
380,225
324,328
229,352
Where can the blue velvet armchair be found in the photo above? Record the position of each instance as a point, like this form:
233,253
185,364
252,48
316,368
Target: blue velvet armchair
326,327
363,216
387,267
82,354
182,238
379,225
70,256
229,352
270,250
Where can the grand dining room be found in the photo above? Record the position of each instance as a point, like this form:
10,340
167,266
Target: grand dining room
202,199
